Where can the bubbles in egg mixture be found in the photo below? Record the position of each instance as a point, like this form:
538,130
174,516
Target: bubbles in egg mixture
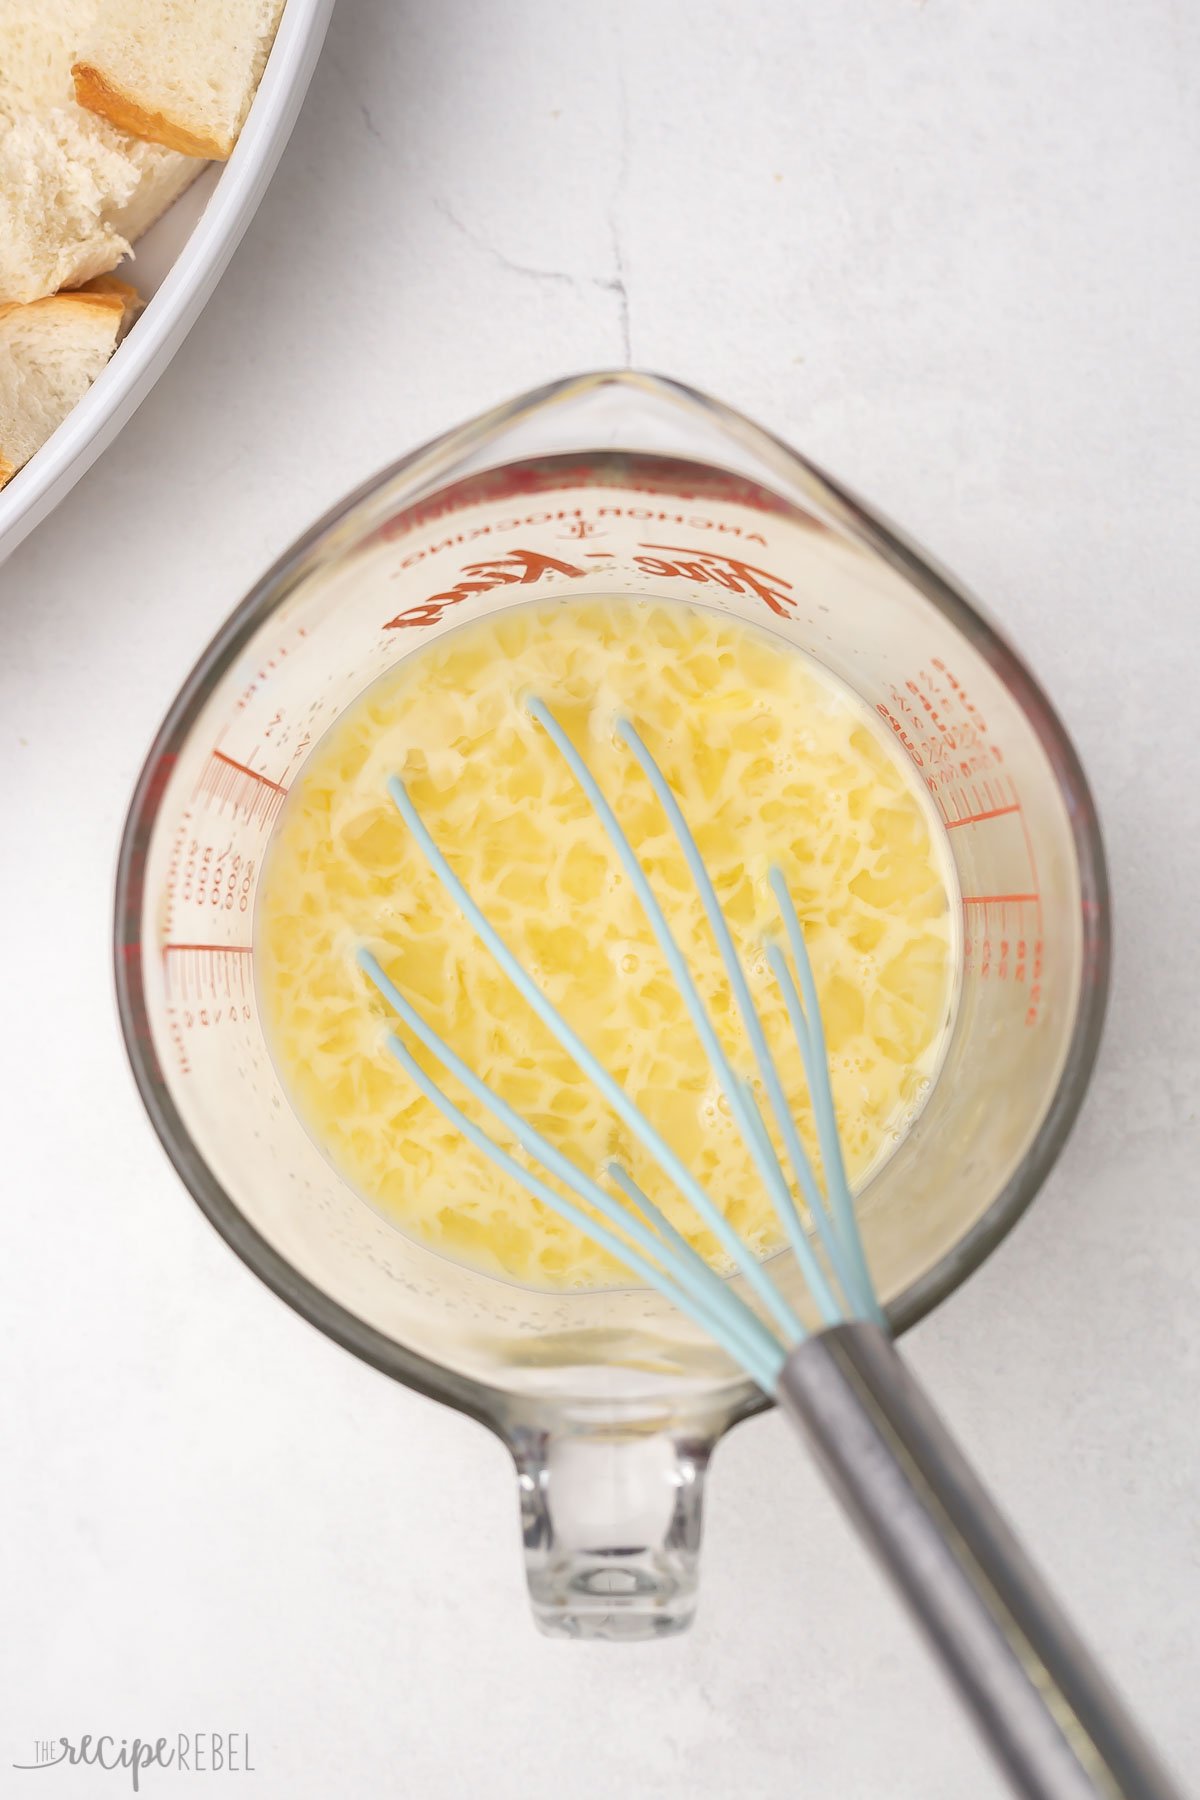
773,762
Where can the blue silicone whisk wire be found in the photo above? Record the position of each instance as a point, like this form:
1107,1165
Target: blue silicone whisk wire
632,1228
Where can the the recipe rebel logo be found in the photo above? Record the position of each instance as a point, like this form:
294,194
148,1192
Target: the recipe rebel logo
699,567
188,1753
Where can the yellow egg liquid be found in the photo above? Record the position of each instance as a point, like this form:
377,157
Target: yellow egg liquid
773,762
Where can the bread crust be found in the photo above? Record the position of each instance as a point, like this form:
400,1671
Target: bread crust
98,94
104,293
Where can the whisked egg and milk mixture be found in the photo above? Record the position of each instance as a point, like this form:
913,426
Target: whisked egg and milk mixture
774,763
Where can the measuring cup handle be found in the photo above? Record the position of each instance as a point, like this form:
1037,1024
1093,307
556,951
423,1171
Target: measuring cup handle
611,1521
1041,1703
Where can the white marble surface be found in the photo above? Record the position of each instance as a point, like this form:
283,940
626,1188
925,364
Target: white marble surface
951,250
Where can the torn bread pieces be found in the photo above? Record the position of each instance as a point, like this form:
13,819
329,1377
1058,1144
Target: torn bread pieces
51,351
181,73
74,192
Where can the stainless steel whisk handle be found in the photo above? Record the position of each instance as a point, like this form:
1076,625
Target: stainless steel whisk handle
1045,1710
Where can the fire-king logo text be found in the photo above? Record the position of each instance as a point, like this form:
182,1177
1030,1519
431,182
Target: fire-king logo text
525,567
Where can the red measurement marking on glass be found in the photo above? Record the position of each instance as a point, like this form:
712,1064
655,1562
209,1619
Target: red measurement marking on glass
999,946
960,805
994,812
197,972
1033,868
998,899
226,782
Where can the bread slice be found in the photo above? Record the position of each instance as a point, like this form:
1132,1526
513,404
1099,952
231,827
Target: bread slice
74,192
50,353
40,38
178,72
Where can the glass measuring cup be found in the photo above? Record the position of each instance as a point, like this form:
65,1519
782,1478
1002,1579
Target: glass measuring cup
611,483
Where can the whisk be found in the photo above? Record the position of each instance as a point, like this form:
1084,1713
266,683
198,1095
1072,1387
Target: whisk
1040,1702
